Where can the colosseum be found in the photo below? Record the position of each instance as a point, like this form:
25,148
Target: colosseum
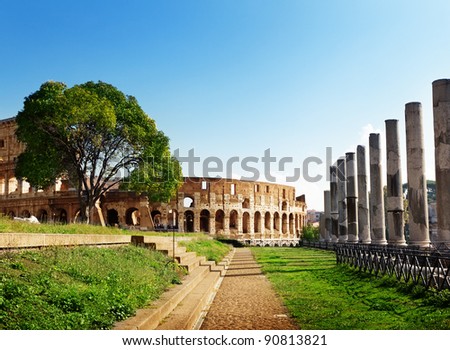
256,213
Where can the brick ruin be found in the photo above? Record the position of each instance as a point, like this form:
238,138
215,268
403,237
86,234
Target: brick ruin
253,211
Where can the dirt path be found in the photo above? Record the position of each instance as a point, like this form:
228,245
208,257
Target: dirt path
246,299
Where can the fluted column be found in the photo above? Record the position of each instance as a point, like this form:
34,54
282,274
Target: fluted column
352,198
394,200
441,112
378,230
363,196
417,182
327,212
342,200
334,211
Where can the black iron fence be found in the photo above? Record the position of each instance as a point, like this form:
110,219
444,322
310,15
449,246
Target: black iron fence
428,267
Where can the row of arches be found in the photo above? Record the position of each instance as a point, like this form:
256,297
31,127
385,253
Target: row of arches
218,221
58,216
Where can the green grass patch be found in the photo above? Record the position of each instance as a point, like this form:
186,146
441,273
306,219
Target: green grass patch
321,295
209,248
79,288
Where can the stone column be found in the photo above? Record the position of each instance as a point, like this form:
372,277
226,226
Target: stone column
394,200
352,198
417,182
327,213
441,112
378,230
363,197
342,203
334,211
212,225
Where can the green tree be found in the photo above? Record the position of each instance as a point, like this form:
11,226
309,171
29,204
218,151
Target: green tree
311,233
93,135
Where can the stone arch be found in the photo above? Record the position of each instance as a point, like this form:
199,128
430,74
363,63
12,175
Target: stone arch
246,203
112,217
233,219
267,221
204,220
246,222
220,216
276,221
188,221
42,215
284,205
257,222
60,215
12,185
11,214
133,217
284,223
156,217
25,213
291,224
188,202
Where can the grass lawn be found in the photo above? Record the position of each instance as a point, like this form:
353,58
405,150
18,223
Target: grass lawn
210,248
79,288
322,295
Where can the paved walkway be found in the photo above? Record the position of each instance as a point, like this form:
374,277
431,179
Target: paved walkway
246,299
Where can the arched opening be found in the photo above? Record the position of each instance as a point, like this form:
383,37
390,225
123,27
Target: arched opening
267,221
220,215
204,220
257,222
284,223
188,202
276,221
132,217
42,215
60,216
233,220
246,223
11,214
189,221
246,203
12,185
291,224
112,217
156,217
25,213
284,205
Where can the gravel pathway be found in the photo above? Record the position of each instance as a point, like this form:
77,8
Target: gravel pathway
246,299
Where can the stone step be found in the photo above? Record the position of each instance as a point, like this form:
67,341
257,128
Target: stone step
192,263
152,316
188,312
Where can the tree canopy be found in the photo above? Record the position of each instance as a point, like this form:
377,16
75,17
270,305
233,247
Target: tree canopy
95,136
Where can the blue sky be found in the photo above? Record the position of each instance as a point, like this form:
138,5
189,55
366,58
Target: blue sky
235,78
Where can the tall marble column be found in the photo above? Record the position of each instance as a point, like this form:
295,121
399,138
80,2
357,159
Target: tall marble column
327,210
352,198
417,182
394,200
441,112
363,196
334,211
378,230
342,200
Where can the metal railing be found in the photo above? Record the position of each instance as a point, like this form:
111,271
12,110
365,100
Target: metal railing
429,267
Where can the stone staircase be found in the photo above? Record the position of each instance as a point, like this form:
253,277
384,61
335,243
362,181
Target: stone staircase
183,306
